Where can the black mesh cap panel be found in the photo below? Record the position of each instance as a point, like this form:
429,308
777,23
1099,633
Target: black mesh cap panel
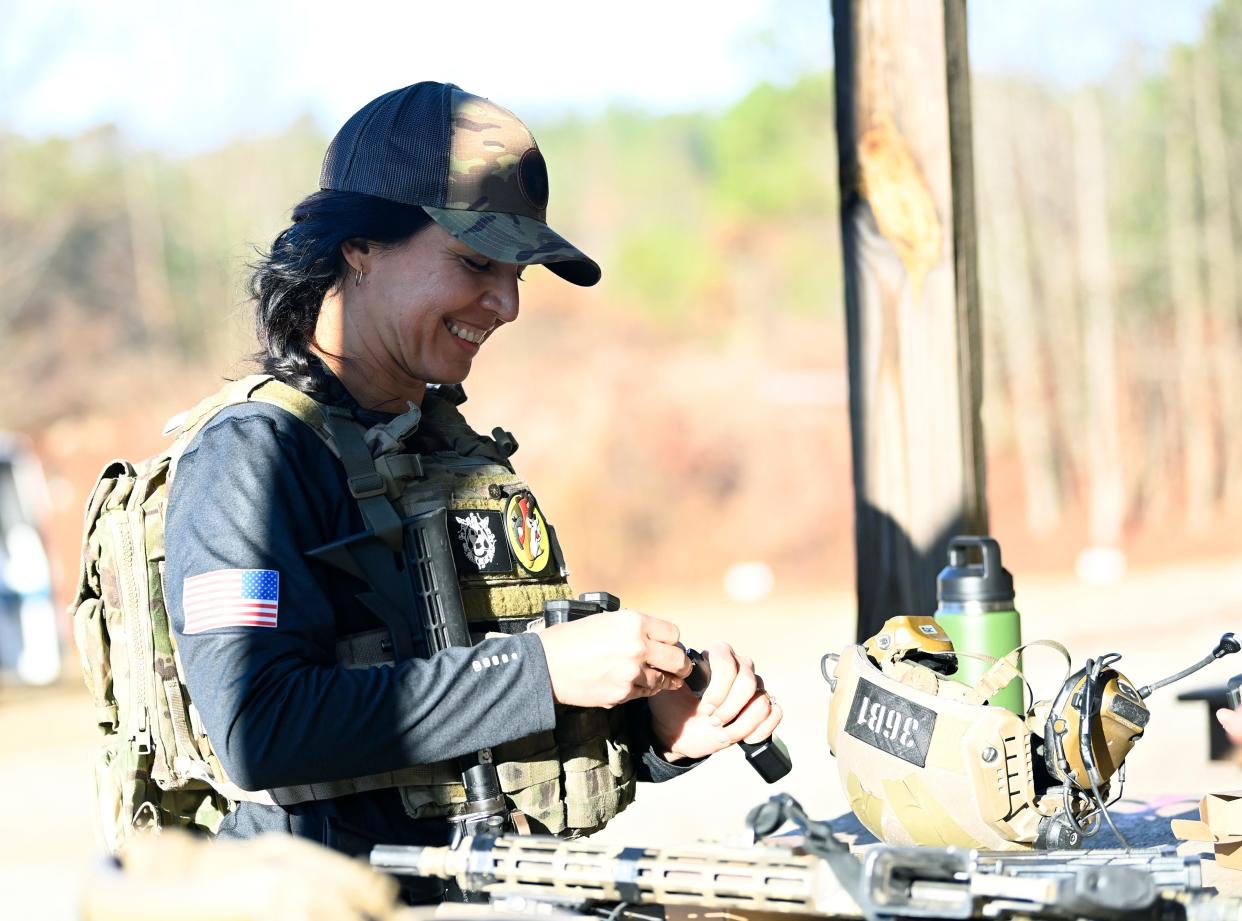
394,147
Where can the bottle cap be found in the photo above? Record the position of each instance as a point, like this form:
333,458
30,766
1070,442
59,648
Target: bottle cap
963,582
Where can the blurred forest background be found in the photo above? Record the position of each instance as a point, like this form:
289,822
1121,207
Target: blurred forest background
690,412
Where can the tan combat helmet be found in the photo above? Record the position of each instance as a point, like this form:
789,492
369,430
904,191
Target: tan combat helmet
920,767
925,760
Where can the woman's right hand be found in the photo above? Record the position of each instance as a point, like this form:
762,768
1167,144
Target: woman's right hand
611,658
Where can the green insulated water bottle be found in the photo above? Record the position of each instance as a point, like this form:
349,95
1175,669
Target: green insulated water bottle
976,610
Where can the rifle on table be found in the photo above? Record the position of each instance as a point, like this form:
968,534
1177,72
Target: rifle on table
813,878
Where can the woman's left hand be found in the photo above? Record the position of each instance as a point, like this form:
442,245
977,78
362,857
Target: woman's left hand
734,707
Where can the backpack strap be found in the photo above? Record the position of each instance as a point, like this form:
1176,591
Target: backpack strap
296,403
453,433
189,423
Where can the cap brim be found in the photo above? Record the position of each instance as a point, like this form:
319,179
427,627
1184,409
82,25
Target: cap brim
518,239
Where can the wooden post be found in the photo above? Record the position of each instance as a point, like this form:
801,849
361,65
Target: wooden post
903,140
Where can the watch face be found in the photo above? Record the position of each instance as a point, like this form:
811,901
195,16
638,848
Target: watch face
527,533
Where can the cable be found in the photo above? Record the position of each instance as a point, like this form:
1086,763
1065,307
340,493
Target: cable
1093,672
1086,830
1121,785
1099,801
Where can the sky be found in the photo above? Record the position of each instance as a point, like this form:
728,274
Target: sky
183,77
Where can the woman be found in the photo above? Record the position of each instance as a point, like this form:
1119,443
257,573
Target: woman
375,302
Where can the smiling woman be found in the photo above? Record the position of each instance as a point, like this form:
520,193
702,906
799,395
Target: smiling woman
316,507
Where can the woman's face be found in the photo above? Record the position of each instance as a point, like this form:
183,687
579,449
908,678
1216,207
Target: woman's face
425,307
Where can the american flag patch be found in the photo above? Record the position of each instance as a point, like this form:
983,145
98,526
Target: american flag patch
230,598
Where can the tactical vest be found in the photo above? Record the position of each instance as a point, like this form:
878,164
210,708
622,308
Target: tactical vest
156,765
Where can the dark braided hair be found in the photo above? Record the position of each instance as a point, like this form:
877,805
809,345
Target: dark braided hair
305,263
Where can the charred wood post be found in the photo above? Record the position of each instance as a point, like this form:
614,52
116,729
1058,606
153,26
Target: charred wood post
908,239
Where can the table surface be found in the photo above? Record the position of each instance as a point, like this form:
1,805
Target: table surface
1144,822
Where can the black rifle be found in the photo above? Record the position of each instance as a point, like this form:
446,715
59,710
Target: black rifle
817,876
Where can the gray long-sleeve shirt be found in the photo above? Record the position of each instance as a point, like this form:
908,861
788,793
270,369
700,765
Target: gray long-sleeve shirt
255,491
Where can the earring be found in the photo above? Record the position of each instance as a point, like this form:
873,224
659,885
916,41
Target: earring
358,279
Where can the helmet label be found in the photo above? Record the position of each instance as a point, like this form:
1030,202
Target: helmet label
891,723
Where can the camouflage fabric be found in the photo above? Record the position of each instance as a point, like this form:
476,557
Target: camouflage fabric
497,195
156,766
494,163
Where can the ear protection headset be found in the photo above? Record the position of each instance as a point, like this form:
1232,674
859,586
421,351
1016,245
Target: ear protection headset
1094,721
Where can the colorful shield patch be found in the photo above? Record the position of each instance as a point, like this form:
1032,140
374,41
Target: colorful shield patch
527,532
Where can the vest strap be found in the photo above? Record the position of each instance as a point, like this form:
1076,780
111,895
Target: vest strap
307,793
366,485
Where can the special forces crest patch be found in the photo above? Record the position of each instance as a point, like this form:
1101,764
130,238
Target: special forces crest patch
527,532
477,545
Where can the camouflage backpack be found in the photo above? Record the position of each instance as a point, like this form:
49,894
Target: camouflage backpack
155,766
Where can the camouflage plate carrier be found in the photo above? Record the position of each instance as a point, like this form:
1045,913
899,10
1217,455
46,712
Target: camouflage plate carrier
156,766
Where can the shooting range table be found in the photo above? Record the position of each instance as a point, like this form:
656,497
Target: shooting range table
1144,822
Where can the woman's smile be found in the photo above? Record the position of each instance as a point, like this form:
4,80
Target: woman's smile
466,334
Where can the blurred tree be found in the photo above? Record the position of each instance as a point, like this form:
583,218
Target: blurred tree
758,149
1188,302
153,293
1107,497
1219,252
1010,314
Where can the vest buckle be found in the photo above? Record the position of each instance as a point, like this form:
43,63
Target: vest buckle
366,485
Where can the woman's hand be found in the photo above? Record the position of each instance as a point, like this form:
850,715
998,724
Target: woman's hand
608,659
1232,721
734,707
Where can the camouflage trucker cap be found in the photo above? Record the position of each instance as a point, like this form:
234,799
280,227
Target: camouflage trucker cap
470,164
